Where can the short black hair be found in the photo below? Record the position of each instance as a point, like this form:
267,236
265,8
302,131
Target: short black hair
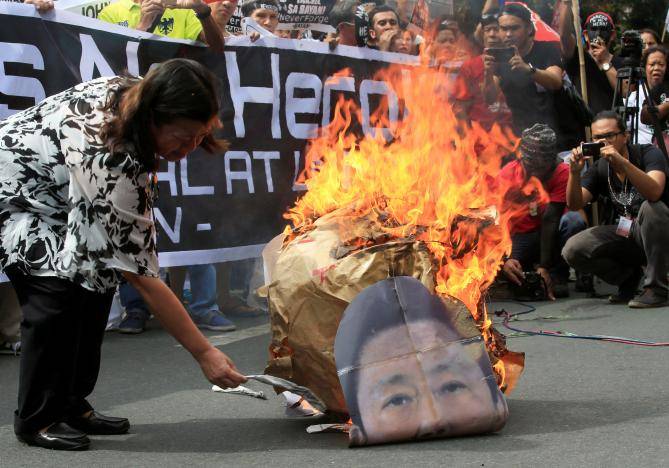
519,11
610,114
381,9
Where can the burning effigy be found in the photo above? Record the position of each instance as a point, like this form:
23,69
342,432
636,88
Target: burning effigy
420,199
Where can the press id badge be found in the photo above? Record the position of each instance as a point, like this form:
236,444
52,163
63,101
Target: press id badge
624,226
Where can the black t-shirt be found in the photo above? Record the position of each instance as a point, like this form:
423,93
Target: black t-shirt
530,102
600,92
660,94
597,178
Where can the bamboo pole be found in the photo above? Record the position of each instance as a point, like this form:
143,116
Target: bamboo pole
576,15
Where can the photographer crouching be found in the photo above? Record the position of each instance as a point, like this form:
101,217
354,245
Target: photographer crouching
539,233
634,178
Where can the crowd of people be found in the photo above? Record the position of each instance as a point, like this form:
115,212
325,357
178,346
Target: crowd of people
503,72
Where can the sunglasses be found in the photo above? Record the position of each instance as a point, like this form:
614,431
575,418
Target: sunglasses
489,18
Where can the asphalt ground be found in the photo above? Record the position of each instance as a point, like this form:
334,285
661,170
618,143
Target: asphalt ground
578,403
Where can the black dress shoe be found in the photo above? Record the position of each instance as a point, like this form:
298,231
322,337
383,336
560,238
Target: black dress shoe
58,436
99,424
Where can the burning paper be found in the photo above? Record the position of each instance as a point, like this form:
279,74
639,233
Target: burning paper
417,195
414,366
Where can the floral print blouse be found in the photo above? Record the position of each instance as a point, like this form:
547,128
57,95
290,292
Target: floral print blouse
68,207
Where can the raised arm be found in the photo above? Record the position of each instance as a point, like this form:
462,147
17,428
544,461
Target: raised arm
566,28
577,195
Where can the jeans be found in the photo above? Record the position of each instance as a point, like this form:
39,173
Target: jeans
526,245
615,259
203,291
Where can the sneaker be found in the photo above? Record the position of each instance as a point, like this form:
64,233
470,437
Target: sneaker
647,299
134,322
9,348
213,320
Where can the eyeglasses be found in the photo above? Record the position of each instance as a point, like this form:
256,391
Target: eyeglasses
606,136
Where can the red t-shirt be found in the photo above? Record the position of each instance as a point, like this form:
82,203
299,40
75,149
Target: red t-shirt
556,188
469,82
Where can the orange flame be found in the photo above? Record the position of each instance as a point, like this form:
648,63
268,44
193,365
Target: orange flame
435,182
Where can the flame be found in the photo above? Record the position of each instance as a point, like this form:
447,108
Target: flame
429,177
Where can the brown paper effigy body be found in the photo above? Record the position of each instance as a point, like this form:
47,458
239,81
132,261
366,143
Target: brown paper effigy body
314,279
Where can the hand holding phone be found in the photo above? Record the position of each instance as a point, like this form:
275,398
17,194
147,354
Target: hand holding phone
501,54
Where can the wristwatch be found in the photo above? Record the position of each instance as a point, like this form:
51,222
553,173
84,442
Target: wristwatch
532,69
607,66
205,14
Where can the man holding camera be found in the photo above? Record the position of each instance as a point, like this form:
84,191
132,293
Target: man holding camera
528,76
600,65
634,178
539,232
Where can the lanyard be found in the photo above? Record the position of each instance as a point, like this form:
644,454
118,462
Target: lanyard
626,197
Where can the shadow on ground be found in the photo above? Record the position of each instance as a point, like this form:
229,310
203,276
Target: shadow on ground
527,417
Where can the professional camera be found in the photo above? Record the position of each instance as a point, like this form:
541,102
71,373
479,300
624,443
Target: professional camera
533,288
631,48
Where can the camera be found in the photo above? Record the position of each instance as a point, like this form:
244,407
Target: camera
591,150
533,288
631,48
599,35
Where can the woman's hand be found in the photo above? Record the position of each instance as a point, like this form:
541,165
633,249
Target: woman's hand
219,369
216,366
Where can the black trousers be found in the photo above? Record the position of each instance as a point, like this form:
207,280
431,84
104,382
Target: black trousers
61,335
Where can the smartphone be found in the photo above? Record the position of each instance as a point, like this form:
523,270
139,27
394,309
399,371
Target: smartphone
501,54
591,150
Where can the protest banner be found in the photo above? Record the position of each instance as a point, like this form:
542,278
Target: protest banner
276,94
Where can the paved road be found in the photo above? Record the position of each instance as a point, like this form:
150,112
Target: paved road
579,403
